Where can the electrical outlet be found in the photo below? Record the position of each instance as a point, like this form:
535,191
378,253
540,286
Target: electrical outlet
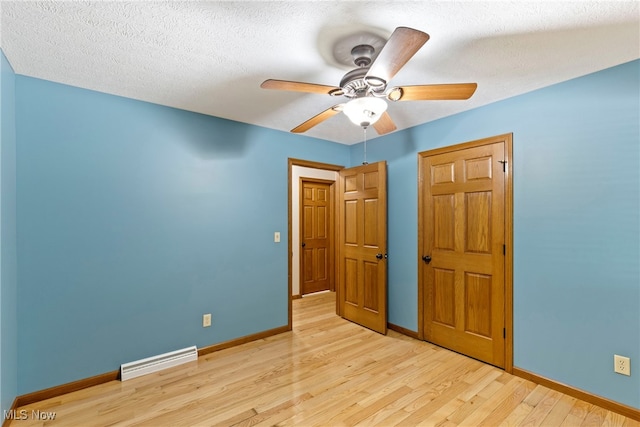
621,365
206,320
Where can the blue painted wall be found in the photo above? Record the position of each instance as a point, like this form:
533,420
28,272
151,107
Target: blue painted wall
136,219
576,223
8,249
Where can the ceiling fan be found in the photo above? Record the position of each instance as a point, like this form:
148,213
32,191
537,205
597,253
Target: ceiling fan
366,87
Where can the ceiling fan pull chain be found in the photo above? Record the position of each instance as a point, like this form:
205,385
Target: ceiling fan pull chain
365,146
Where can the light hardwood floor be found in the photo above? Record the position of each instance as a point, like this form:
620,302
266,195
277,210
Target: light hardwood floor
327,372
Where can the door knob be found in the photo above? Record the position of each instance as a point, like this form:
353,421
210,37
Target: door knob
379,256
304,244
426,258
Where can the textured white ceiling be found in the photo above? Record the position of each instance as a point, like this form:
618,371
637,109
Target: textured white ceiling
210,57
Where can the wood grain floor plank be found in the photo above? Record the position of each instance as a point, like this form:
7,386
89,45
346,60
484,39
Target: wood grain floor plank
464,411
613,419
493,400
517,415
577,414
385,415
595,417
542,409
511,401
628,422
559,411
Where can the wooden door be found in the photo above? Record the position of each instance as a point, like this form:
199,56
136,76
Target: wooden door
315,236
363,245
462,230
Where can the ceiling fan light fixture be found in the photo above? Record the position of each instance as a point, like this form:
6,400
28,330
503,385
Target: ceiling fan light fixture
365,111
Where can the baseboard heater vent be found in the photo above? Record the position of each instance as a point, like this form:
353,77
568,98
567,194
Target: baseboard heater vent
157,363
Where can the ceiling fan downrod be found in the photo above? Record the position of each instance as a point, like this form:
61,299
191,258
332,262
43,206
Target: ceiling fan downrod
362,55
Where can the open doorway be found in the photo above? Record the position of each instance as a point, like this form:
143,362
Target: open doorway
299,171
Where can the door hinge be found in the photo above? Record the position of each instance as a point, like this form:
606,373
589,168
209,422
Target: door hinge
504,165
504,333
504,249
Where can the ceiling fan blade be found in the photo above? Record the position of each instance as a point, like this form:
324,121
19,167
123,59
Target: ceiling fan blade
384,124
401,46
435,92
297,86
317,119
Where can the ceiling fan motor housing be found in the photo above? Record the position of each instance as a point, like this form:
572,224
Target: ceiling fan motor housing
353,84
